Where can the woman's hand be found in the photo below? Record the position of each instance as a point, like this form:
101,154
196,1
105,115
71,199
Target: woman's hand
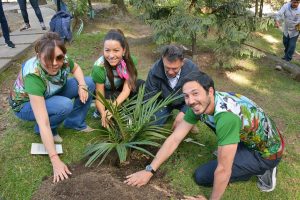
83,93
105,117
60,170
104,121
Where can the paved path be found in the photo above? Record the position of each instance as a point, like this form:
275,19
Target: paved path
25,39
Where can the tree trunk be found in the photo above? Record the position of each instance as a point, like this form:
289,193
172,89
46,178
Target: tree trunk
256,7
42,2
90,4
261,6
194,40
121,5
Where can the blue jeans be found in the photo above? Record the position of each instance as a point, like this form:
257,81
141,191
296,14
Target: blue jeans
4,25
36,8
61,107
163,114
290,46
246,164
63,6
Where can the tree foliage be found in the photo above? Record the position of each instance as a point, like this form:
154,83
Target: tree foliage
230,21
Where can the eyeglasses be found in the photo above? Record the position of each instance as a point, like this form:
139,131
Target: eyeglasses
60,58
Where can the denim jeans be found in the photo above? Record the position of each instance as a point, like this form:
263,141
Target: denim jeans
4,25
112,95
290,46
36,8
163,114
246,164
61,107
63,6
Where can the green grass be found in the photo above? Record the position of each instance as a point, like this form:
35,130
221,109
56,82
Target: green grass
21,173
271,41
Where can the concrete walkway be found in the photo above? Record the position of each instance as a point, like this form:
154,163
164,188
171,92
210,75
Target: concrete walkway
25,39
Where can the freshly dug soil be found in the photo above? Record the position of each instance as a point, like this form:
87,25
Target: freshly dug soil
105,182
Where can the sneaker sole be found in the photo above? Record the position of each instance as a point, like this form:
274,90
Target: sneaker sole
274,182
26,29
10,47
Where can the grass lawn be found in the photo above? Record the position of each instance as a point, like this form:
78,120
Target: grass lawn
21,174
271,41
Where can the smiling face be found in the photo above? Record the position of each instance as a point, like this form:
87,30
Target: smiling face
295,3
113,52
57,63
201,101
172,68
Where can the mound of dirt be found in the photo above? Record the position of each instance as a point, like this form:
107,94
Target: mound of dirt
104,182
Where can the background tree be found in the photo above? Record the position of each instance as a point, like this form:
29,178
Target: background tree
121,5
229,21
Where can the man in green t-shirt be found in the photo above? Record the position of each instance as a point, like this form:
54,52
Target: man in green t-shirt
248,140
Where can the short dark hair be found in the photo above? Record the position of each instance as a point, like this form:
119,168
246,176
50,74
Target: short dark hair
172,53
200,77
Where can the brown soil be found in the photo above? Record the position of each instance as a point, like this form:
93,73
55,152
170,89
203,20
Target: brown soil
106,182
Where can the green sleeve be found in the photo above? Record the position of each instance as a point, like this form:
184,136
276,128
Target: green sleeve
71,63
228,126
34,85
190,117
134,60
99,74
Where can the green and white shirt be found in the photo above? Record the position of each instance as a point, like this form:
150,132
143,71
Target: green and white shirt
99,74
34,80
236,118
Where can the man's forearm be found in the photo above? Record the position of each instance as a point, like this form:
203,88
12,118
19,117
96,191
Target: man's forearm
221,179
164,153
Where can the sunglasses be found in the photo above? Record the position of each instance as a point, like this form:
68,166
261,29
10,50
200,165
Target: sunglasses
60,58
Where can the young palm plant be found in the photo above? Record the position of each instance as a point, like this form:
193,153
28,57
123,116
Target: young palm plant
131,126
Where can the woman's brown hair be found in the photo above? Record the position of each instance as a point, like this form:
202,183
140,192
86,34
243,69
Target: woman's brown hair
118,35
46,45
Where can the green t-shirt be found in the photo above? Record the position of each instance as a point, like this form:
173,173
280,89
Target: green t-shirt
37,83
238,119
99,74
34,85
33,79
228,126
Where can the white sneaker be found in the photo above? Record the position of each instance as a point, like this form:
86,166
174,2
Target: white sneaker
267,181
88,129
25,27
43,26
57,138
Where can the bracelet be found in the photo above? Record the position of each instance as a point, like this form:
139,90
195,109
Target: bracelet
53,156
82,86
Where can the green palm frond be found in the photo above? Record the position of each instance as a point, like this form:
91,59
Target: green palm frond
143,150
98,150
130,127
122,152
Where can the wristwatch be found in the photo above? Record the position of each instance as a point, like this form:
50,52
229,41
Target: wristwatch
150,169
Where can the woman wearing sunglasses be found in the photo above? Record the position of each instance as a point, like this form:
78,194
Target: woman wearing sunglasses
43,93
115,73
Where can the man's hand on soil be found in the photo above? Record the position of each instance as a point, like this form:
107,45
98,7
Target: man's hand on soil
138,179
